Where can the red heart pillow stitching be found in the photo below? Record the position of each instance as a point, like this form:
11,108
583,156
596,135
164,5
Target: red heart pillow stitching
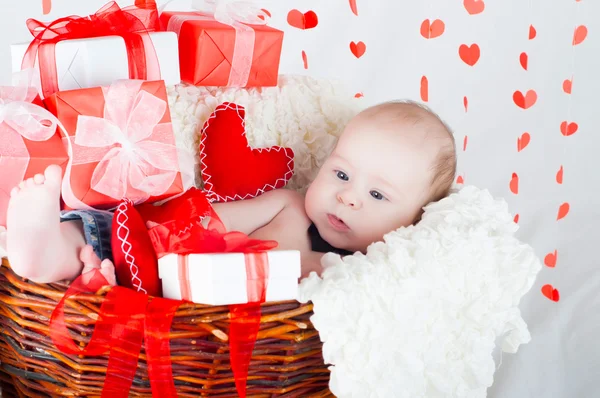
231,169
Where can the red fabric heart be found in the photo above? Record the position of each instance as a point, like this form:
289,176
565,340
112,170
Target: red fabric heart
231,169
135,261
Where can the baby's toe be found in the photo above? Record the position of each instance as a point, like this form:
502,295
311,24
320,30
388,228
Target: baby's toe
30,183
39,178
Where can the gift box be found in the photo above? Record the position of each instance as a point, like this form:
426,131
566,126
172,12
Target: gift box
230,278
29,140
224,49
84,63
82,52
122,144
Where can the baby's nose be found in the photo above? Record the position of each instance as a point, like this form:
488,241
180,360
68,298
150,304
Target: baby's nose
348,198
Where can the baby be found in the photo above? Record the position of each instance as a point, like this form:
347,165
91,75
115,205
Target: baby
390,161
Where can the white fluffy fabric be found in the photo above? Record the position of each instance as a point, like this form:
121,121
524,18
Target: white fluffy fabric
420,314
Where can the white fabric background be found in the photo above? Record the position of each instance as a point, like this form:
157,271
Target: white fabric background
563,360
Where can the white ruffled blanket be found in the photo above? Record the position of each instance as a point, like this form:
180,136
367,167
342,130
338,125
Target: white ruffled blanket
420,314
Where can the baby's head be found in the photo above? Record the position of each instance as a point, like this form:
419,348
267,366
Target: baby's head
390,161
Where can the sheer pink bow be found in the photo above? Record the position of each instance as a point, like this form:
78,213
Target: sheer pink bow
129,143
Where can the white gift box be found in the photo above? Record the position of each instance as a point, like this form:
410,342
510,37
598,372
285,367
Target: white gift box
221,279
99,61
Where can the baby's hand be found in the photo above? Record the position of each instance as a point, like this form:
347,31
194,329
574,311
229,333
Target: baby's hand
91,261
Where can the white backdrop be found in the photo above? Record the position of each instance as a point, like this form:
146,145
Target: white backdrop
519,154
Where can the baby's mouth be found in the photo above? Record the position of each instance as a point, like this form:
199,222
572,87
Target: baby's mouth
337,223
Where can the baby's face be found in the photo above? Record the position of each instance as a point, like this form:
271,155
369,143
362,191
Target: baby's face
375,181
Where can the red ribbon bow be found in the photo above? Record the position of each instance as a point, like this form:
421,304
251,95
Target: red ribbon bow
120,329
131,23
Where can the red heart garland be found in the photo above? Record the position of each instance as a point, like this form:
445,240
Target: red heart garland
231,169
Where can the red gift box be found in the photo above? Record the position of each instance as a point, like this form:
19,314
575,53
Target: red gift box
29,141
122,142
222,49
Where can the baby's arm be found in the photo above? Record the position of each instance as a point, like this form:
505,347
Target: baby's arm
250,215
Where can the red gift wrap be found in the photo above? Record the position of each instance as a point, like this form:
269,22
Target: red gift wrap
122,142
228,45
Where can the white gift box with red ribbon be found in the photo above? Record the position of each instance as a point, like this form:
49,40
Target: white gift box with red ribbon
228,278
99,61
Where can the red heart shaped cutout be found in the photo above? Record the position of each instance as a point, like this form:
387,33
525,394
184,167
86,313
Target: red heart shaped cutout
231,169
568,129
469,54
550,292
523,141
525,101
358,49
297,19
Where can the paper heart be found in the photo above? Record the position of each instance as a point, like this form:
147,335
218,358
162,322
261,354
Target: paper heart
304,59
469,54
550,292
559,175
568,129
46,6
550,259
516,219
568,86
358,49
307,20
580,34
424,89
532,32
474,6
514,183
231,169
525,101
523,141
353,7
431,30
563,210
359,95
466,103
460,180
465,143
523,59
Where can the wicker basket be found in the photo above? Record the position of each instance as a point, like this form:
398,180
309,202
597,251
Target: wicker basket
287,359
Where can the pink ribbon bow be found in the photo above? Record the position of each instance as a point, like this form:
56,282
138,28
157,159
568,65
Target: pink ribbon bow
237,14
129,143
19,119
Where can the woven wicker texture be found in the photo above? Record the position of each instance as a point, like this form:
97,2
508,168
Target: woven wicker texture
287,359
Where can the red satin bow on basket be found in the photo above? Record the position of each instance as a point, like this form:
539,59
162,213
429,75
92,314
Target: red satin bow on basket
120,329
131,23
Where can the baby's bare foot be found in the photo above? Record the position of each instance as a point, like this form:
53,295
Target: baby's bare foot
2,241
39,246
91,261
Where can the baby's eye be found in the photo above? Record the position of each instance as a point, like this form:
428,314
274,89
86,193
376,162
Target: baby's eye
376,195
342,176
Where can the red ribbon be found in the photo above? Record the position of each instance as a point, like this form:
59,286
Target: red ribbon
127,318
131,23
